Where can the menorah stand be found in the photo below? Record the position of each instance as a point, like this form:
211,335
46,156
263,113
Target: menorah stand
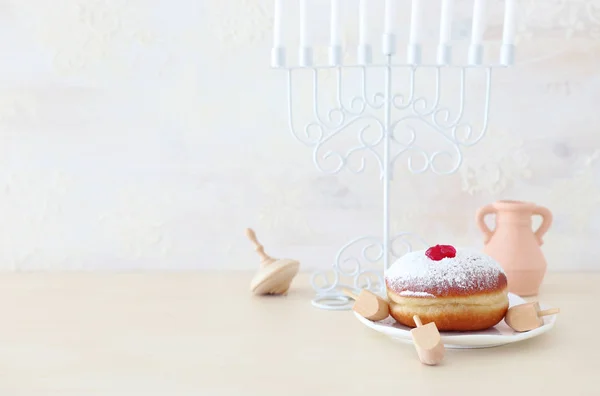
397,118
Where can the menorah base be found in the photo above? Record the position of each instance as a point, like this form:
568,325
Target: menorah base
358,266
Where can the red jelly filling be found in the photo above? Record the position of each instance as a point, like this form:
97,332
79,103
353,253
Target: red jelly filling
439,252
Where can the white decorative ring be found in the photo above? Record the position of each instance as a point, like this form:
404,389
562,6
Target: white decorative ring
332,302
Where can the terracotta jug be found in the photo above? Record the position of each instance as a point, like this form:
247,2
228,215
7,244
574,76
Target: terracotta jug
514,244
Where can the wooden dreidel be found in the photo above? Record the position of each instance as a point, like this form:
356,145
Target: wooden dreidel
369,305
527,316
428,342
275,275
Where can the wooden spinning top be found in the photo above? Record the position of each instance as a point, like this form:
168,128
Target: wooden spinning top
369,305
275,275
428,342
527,316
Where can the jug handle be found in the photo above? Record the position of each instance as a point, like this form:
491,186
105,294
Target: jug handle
480,217
546,222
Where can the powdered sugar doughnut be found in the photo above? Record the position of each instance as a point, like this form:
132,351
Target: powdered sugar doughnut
459,290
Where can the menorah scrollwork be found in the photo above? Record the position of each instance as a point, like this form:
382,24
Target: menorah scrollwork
342,119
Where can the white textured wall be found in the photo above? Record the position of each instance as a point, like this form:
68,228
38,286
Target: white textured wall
149,134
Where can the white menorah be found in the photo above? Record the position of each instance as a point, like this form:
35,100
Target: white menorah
365,269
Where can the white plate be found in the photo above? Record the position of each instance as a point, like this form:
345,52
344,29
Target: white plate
498,335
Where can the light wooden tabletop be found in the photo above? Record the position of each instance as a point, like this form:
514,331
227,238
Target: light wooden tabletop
205,334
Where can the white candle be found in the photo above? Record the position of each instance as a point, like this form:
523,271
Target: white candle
510,23
479,22
336,37
415,21
277,36
446,22
362,22
303,30
390,13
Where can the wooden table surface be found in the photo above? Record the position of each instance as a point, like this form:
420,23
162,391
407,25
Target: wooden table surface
204,334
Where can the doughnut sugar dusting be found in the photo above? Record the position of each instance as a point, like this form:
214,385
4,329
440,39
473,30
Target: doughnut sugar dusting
467,273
